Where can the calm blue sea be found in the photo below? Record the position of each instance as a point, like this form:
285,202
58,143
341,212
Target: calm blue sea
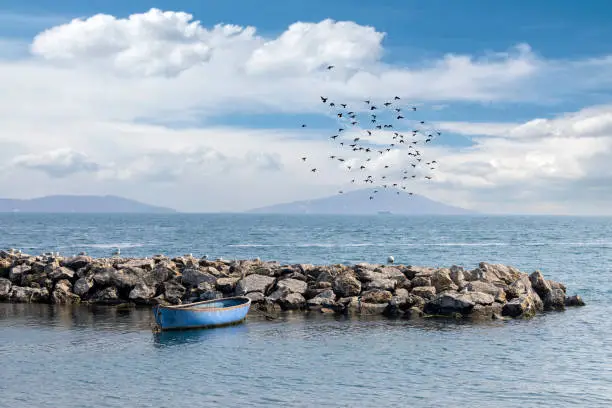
97,356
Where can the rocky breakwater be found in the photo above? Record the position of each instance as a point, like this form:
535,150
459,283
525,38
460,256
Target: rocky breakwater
487,292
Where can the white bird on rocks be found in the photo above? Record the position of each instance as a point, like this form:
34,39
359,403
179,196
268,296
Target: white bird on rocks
390,259
117,252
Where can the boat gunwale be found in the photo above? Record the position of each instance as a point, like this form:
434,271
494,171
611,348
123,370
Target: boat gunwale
189,306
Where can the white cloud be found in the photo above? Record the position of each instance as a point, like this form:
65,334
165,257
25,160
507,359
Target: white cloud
57,163
152,43
91,82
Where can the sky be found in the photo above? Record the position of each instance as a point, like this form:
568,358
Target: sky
198,106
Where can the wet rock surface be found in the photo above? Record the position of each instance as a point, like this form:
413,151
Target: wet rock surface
490,291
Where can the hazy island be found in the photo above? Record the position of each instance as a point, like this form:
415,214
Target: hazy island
357,202
489,291
79,204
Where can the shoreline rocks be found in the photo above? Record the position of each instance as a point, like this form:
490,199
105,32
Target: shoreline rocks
490,291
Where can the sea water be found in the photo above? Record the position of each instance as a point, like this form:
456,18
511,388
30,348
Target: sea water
99,356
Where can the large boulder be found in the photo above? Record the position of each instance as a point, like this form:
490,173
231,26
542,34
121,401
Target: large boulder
62,293
77,262
442,281
106,296
292,286
61,273
420,281
326,299
17,272
376,296
497,273
449,303
5,288
425,292
554,300
347,285
29,295
486,312
174,292
227,285
383,284
523,306
82,286
193,277
142,293
539,284
522,288
457,276
478,286
254,283
292,301
102,275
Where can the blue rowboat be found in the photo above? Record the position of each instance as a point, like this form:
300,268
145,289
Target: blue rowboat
206,314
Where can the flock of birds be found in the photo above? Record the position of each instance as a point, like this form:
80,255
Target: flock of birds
368,135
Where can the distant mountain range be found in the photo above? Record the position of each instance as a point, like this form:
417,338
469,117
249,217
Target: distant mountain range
358,202
79,204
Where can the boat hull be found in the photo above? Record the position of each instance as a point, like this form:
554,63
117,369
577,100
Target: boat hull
207,314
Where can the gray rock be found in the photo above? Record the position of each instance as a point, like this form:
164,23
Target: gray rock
413,271
324,299
77,262
383,284
449,303
17,272
376,296
29,295
61,273
346,285
254,283
488,288
457,276
420,281
193,277
292,301
349,304
425,292
144,264
174,292
62,293
227,285
480,298
442,281
142,293
102,276
557,285
82,286
292,285
539,284
522,288
499,273
5,288
210,295
523,306
107,296
255,297
486,312
413,313
574,301
367,308
554,300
